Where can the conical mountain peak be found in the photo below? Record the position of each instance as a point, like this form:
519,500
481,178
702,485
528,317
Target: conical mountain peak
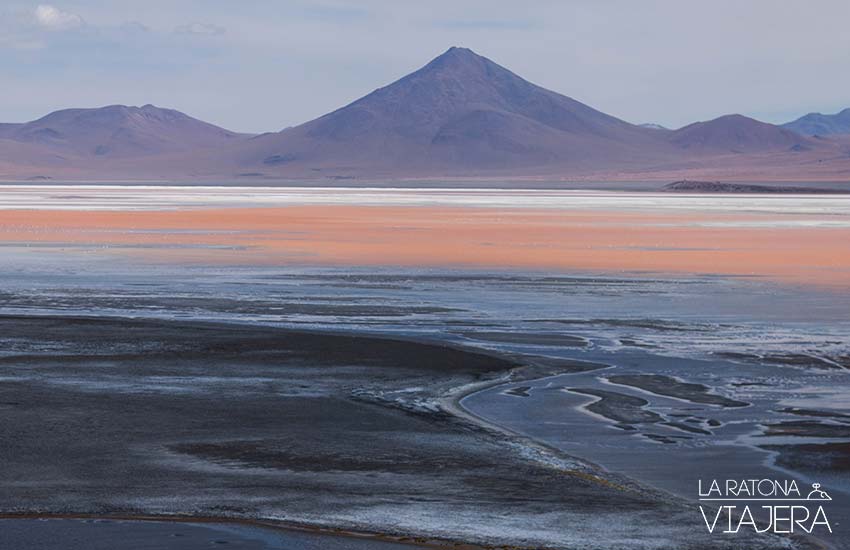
457,89
457,56
459,111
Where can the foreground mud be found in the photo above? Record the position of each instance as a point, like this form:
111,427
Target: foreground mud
152,417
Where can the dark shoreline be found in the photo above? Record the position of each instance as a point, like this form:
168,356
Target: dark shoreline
775,188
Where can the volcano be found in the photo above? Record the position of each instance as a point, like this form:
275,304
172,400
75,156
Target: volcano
459,114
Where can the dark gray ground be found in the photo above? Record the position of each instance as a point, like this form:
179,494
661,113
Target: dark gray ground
157,417
814,458
100,534
619,407
666,385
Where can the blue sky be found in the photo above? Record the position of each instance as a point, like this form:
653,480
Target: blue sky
253,65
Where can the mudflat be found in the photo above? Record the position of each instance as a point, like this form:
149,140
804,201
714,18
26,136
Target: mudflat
109,534
131,417
666,385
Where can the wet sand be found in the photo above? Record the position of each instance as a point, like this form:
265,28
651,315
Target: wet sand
112,534
666,385
625,409
133,417
814,458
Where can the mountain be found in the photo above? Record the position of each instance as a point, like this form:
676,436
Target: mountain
116,131
738,134
459,114
817,124
653,126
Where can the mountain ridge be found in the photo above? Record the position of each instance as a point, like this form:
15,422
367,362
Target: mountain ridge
738,134
818,124
117,131
460,115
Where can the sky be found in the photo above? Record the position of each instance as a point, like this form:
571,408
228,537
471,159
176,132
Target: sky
263,65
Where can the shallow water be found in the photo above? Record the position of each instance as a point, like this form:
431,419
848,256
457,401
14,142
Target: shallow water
637,325
668,457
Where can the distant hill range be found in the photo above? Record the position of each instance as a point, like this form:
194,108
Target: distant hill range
738,134
816,124
459,116
113,141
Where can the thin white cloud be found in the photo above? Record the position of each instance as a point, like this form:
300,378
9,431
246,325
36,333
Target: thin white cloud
52,18
201,28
